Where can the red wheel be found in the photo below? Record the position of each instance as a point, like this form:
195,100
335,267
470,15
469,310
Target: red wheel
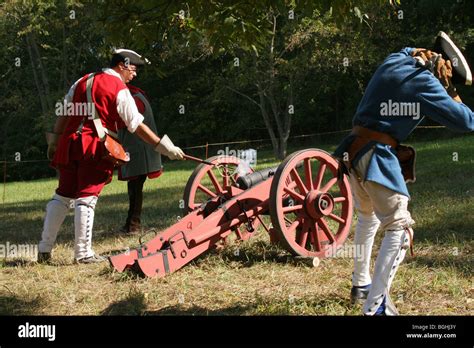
310,209
209,182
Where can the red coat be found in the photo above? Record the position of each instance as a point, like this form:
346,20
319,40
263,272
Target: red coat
72,146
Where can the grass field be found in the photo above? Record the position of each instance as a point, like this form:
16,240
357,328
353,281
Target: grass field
254,277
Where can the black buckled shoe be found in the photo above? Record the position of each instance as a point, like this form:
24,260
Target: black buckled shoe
359,294
43,257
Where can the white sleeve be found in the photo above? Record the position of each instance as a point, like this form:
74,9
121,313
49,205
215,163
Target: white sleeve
70,94
128,111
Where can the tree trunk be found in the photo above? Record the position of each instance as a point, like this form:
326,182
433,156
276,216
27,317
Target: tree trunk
42,70
262,104
39,87
63,79
267,121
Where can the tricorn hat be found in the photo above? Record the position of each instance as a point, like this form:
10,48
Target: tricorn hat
461,71
128,57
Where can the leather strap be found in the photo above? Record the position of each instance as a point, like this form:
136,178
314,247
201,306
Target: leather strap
109,132
372,135
409,231
363,137
101,130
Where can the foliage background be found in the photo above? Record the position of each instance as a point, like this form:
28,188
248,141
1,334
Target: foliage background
193,47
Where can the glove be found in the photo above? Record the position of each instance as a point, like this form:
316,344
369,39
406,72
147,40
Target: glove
52,140
443,72
434,62
167,148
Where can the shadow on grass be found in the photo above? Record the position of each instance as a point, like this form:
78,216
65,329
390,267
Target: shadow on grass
19,226
258,252
197,310
463,264
10,304
17,263
261,306
133,304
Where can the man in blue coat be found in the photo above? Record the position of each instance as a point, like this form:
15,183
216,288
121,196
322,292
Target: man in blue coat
407,86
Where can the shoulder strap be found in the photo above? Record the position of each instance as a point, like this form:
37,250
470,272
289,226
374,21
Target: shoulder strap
95,118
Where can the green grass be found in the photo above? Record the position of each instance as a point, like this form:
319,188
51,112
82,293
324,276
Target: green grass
261,278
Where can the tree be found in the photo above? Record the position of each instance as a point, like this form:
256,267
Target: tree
262,34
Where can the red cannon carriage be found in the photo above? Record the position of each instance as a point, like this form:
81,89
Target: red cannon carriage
308,199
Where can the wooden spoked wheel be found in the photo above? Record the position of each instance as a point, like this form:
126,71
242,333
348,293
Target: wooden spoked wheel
213,182
310,204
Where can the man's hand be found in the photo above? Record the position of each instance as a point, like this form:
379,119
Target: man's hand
52,140
167,148
441,69
51,151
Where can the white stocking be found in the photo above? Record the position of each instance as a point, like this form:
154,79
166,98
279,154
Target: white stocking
56,211
83,223
367,226
391,254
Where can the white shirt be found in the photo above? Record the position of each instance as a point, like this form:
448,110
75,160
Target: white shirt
126,107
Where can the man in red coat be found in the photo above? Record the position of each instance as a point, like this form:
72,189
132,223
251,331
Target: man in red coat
77,151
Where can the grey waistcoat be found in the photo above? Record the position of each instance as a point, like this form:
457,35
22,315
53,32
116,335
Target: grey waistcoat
143,158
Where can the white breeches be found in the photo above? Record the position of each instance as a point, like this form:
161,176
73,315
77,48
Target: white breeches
378,207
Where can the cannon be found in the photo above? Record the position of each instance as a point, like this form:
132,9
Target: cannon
308,199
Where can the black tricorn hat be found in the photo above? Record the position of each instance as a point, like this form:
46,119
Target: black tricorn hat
461,72
128,57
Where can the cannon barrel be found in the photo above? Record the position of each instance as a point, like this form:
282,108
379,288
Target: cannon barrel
252,179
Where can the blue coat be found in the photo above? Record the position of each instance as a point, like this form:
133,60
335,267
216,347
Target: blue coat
400,85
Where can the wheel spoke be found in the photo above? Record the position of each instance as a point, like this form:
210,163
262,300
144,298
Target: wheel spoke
214,181
303,235
293,226
206,191
330,184
294,194
299,182
226,176
319,177
339,199
315,238
291,184
327,231
308,173
292,208
337,218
